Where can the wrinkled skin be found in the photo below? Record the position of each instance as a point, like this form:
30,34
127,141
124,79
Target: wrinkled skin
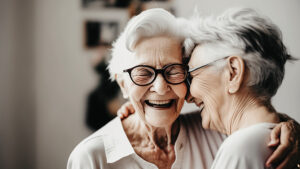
285,139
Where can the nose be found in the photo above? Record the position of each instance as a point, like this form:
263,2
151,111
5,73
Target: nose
160,85
190,98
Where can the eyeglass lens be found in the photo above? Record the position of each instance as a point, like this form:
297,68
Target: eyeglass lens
173,74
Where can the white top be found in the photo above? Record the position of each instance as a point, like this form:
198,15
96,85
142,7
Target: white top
110,148
245,149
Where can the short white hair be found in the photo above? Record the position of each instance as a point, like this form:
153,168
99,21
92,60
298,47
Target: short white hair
243,32
150,23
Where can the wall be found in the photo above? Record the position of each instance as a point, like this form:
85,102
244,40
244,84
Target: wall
285,14
17,115
7,99
63,79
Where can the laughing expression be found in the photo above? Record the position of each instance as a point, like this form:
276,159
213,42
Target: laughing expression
207,89
159,103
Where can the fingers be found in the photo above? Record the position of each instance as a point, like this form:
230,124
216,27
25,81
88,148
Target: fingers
290,137
275,134
286,144
290,162
130,108
122,112
278,155
125,110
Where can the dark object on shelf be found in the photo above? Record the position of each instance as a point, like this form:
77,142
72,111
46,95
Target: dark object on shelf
92,34
117,3
98,113
100,33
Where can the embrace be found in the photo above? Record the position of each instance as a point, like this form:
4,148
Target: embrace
230,66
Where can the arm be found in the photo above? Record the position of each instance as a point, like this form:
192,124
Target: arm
285,138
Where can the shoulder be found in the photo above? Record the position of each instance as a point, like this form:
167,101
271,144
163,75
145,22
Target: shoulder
246,148
86,152
251,138
91,149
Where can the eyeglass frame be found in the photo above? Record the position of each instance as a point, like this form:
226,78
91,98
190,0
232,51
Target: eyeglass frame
158,71
188,79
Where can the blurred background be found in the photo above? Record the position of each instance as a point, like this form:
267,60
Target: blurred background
52,60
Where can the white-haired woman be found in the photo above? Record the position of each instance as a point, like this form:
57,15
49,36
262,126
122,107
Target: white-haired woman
147,64
236,68
201,143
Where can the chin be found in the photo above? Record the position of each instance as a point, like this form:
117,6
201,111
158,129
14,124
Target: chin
159,115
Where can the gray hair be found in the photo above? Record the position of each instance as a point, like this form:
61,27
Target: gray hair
150,23
255,38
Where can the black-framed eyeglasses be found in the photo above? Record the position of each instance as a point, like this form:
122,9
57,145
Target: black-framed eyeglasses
189,78
143,75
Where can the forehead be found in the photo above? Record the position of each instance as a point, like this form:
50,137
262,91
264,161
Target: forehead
199,56
205,53
158,50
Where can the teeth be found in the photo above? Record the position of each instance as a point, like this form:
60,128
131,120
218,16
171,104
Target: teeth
158,102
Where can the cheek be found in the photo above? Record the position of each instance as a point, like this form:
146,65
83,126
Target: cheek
196,88
180,90
136,93
205,84
209,90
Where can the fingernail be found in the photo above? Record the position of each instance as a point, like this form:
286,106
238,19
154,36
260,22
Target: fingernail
272,142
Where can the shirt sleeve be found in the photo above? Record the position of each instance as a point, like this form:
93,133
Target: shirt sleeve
246,149
237,160
80,159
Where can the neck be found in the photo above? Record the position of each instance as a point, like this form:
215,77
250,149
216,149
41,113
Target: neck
160,137
245,110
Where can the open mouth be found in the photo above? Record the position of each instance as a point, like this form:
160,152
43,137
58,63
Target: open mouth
160,103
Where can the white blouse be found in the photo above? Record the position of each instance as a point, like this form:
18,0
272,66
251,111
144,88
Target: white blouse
109,148
246,148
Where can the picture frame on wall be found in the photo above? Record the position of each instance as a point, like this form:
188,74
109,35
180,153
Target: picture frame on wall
100,33
105,3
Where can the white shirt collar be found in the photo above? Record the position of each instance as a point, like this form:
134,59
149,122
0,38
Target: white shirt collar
116,143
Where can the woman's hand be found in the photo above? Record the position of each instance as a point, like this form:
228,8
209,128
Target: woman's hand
125,110
285,138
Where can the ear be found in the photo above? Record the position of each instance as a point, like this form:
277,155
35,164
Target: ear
121,83
236,69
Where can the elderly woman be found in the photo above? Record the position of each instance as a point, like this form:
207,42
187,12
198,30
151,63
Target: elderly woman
203,142
147,64
236,68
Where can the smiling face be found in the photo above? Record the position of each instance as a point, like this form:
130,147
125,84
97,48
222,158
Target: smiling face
159,103
207,88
